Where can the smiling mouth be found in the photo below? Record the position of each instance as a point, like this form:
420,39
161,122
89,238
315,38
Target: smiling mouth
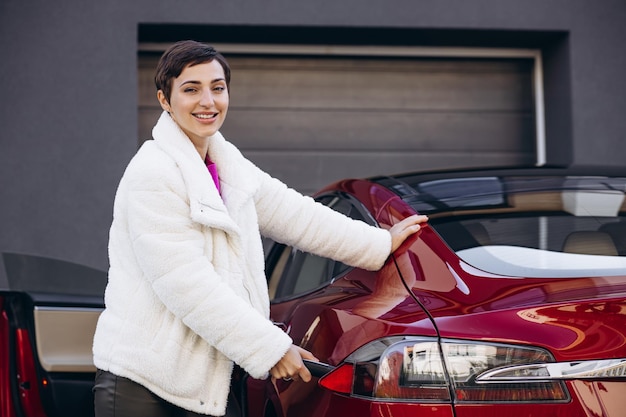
206,116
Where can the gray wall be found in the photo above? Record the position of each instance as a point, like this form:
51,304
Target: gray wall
68,78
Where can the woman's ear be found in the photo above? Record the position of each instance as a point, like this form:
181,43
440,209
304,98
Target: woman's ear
165,105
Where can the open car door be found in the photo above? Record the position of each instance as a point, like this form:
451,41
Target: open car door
48,313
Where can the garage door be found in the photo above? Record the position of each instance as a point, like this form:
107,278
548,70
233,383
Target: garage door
311,120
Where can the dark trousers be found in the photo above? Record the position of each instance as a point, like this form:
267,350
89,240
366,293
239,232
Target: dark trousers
115,396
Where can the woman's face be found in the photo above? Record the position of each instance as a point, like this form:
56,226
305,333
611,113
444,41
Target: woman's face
199,101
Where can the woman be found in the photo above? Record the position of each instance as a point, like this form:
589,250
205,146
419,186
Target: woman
187,295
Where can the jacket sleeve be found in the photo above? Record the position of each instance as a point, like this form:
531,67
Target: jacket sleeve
170,250
297,220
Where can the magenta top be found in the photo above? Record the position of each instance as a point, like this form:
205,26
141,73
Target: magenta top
213,171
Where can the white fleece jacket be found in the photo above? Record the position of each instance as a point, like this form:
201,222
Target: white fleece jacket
187,294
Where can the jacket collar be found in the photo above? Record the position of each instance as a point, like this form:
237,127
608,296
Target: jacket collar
207,206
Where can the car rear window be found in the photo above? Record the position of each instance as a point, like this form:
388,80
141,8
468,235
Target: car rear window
551,226
542,245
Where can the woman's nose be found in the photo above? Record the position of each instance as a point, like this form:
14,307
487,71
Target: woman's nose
207,98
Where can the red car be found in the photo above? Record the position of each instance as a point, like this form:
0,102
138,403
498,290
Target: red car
511,302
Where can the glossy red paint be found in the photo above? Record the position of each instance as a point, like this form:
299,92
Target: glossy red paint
573,409
601,398
23,376
6,397
27,380
340,318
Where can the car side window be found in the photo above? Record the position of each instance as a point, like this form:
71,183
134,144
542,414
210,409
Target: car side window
292,272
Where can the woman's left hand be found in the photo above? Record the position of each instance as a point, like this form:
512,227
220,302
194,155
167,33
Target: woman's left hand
290,366
402,230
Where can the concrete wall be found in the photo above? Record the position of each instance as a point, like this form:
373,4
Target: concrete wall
68,78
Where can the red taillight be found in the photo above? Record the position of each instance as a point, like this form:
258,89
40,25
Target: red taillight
27,376
536,392
425,369
468,362
339,380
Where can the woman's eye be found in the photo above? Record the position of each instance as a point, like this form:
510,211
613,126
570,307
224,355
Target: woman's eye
219,89
189,90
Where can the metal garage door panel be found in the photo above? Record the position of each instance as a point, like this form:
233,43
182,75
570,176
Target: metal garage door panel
387,85
310,121
279,130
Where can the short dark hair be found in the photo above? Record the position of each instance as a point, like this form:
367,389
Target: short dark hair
181,55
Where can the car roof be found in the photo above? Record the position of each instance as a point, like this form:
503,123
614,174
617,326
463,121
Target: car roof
530,171
440,191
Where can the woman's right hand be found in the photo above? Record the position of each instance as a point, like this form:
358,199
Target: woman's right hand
291,366
402,230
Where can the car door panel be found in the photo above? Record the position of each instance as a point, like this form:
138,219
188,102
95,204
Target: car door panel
64,338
